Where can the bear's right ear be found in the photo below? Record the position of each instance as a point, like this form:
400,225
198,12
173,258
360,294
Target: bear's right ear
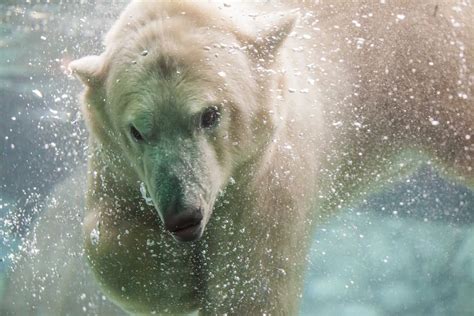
89,69
271,35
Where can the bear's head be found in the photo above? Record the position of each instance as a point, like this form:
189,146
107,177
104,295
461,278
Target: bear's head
184,96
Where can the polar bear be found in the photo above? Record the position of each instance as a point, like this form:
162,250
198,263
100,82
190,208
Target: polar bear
220,135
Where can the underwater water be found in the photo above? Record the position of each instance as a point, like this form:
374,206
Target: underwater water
406,250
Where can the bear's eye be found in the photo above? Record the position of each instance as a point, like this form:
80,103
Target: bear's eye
210,117
136,135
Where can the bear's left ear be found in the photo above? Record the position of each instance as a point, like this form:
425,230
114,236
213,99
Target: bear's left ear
89,69
272,35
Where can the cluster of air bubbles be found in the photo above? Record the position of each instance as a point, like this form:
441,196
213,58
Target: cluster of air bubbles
95,236
145,195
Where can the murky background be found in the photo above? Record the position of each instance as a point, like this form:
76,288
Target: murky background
408,250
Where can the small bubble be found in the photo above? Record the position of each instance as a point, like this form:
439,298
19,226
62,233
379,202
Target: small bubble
37,93
401,16
150,242
434,122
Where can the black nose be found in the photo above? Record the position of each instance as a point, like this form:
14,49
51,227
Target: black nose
184,224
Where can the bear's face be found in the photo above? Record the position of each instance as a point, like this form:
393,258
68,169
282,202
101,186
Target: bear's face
182,121
185,108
